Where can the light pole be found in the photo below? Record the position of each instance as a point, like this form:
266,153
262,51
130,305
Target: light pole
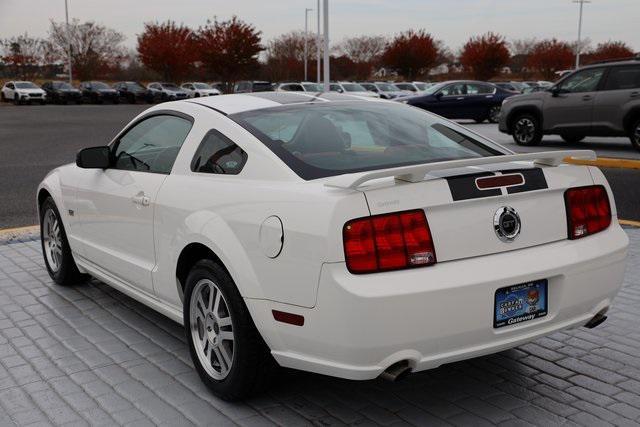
66,13
318,48
578,47
327,71
306,41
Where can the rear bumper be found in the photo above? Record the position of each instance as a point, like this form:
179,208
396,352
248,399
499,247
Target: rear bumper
363,324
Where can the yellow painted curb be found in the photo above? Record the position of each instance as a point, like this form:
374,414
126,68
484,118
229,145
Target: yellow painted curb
629,223
605,162
19,230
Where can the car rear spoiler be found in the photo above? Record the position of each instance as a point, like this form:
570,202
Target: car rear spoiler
416,173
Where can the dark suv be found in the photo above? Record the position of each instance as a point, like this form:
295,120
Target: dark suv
597,100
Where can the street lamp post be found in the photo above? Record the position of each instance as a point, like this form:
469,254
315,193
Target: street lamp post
327,72
318,48
306,41
66,13
578,47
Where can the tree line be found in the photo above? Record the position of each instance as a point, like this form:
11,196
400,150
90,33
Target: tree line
231,50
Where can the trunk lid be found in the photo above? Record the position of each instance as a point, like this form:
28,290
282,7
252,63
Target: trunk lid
461,215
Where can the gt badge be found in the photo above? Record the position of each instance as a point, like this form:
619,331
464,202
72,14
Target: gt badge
506,223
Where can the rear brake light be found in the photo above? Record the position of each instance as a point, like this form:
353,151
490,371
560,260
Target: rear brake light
588,210
388,242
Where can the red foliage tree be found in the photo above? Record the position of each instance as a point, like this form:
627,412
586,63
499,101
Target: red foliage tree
549,56
167,49
609,50
411,53
484,56
229,49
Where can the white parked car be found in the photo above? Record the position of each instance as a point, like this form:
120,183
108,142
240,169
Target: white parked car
20,92
300,87
415,87
167,91
352,89
197,89
349,237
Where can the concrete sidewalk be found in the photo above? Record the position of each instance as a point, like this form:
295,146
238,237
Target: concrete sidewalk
90,355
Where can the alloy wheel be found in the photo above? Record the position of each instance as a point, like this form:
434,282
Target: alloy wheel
494,114
52,238
636,134
212,329
524,130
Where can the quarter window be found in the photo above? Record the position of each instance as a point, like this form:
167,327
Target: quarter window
623,78
583,81
152,145
217,154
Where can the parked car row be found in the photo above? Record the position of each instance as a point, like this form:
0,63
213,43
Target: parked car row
60,92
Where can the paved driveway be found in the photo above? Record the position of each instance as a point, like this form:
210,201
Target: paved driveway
90,355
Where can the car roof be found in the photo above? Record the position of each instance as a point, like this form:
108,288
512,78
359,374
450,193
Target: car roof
239,103
613,63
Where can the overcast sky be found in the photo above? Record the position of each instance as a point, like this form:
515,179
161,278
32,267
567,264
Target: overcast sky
452,21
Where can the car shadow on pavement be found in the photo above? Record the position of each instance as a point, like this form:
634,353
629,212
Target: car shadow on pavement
90,354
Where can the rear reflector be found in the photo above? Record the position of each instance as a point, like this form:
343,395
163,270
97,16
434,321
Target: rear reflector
290,318
588,210
388,242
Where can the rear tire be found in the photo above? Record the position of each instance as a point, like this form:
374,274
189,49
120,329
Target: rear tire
572,139
526,130
494,114
634,135
2,97
228,353
55,247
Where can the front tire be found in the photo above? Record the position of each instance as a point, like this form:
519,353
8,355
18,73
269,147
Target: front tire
228,353
635,135
16,99
55,247
527,130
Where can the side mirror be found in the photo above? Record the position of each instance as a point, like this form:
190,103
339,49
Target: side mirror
94,158
438,95
555,91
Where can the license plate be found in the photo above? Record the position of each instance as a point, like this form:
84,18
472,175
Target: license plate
520,303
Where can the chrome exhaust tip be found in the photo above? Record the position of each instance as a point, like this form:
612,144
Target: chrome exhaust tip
396,371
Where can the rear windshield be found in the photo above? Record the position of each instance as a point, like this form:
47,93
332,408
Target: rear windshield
328,139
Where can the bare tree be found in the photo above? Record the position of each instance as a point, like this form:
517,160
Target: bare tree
94,48
363,49
285,56
23,55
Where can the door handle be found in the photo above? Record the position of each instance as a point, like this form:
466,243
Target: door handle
460,99
587,98
141,200
489,96
635,94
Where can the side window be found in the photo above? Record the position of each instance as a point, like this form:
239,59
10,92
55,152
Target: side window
623,78
583,81
152,145
454,90
217,154
11,86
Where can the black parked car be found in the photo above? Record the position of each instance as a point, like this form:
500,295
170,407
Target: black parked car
62,92
462,100
133,92
252,86
98,92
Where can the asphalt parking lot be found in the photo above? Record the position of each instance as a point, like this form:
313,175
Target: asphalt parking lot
88,354
36,139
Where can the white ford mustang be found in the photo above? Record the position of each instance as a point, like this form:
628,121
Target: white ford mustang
335,234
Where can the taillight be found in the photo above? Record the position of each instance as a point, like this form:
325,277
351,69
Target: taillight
388,242
588,210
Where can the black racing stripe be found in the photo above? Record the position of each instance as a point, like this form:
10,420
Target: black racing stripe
463,187
533,180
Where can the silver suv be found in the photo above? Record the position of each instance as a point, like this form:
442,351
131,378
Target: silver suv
597,100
